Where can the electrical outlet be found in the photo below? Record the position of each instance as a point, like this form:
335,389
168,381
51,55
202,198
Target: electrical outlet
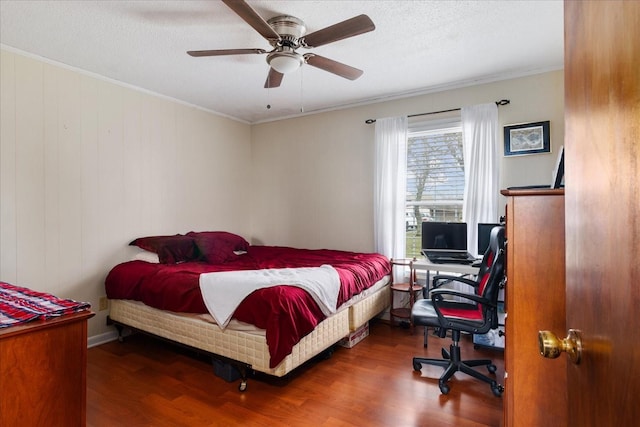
103,304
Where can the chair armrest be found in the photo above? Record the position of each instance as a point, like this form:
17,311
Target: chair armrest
437,299
445,278
437,296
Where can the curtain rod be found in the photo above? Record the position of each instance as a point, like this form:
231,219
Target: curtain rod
498,103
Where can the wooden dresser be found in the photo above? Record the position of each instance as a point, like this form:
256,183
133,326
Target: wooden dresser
43,372
534,301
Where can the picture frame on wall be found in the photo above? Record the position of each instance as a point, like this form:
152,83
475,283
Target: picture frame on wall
527,138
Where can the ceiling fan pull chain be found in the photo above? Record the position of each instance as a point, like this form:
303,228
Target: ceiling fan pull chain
301,91
268,93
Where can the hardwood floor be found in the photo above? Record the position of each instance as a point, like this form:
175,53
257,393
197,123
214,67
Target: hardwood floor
148,382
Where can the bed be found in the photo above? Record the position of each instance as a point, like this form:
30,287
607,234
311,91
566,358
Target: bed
167,291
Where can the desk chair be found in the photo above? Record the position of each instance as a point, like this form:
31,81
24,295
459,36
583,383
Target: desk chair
475,312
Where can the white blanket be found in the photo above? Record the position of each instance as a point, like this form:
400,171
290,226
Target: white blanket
223,291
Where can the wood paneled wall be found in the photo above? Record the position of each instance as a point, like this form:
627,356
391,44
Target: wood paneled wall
86,165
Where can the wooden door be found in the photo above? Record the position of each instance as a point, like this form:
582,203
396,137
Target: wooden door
602,209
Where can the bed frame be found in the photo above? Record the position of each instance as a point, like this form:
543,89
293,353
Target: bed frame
247,350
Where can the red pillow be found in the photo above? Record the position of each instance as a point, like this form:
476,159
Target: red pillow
214,251
217,247
170,249
237,242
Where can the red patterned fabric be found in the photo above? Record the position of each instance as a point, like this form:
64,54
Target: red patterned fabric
20,305
287,313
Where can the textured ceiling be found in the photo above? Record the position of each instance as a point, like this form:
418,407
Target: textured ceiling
417,47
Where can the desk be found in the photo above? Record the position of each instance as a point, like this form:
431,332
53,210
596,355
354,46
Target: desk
425,264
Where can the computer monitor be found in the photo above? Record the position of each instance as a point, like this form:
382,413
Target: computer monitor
444,235
558,171
484,234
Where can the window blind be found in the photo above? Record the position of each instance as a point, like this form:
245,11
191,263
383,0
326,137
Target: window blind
435,178
435,172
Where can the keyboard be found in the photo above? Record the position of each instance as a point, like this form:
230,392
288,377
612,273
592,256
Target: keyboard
439,254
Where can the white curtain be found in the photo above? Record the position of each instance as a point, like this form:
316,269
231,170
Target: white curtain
389,195
481,168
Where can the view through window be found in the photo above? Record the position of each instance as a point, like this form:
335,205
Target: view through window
435,178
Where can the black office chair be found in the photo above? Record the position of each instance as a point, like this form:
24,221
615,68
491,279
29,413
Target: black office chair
475,312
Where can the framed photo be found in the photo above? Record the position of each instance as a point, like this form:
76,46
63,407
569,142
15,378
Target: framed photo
527,138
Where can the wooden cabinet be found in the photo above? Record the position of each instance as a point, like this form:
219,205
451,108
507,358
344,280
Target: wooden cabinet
43,372
534,301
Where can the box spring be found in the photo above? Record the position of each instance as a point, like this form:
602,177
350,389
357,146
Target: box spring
249,347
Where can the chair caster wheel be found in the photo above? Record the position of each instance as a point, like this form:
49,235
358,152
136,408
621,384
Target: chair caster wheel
497,389
492,368
444,388
243,386
417,366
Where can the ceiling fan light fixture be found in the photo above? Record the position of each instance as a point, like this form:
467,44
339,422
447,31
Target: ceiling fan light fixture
285,34
285,62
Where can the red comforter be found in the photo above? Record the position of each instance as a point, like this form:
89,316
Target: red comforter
287,313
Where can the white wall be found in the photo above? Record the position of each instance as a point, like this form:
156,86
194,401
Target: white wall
87,165
313,176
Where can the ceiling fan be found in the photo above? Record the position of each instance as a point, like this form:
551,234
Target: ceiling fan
286,34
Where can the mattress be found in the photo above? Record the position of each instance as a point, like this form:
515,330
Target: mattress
362,308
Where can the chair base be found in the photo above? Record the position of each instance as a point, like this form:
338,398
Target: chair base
452,364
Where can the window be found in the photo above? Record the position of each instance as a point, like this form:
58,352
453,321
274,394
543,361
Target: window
435,177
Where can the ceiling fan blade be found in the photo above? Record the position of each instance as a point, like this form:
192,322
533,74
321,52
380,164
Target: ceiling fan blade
251,17
351,27
273,79
332,66
221,52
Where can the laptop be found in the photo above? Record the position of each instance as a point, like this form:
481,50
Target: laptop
446,243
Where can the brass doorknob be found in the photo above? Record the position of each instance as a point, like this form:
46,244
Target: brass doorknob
551,347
